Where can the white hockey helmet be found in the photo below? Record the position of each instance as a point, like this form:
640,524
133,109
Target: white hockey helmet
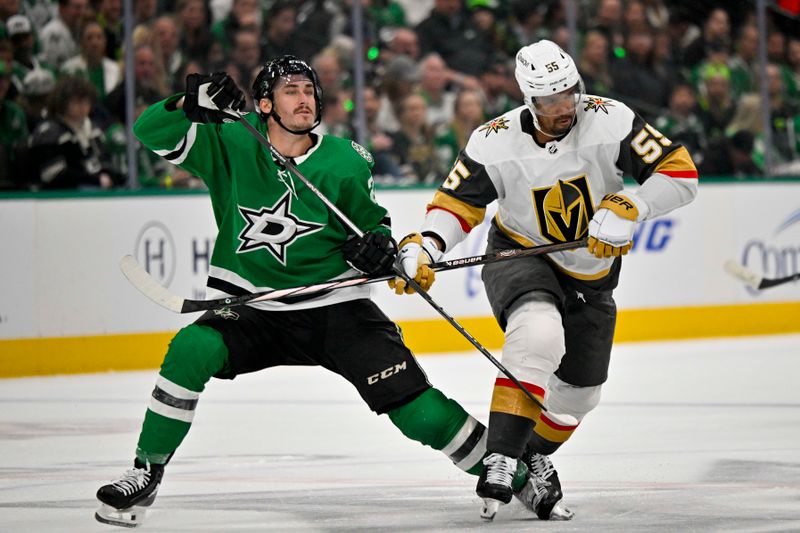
547,75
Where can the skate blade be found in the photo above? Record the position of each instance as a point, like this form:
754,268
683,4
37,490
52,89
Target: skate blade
489,509
130,517
561,512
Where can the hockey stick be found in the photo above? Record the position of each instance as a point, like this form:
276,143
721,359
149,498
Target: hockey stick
753,280
398,271
142,280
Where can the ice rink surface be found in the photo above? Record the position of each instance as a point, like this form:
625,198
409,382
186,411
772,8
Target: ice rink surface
689,436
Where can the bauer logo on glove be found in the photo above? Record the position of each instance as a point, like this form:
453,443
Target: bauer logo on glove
624,204
611,229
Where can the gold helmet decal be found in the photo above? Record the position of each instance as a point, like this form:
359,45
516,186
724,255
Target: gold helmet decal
564,209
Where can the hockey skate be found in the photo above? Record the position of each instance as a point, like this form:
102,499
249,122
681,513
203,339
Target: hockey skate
125,500
542,491
494,484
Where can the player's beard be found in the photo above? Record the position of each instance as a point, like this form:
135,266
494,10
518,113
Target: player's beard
303,119
296,121
558,126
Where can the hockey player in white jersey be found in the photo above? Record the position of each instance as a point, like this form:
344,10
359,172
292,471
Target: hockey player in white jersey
555,167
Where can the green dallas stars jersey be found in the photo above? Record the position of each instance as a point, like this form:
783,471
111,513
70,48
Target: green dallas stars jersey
273,232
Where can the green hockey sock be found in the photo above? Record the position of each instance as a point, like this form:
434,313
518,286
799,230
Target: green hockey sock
431,418
160,437
195,355
441,423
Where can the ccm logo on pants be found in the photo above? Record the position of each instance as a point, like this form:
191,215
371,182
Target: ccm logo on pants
383,374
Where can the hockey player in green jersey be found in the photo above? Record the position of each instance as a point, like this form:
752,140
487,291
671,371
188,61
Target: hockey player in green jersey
275,233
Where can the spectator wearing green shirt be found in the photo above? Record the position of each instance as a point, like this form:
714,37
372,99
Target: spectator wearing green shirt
23,40
716,102
744,64
92,62
681,124
433,86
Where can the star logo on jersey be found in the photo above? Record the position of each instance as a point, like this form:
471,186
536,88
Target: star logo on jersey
273,228
495,125
597,103
564,210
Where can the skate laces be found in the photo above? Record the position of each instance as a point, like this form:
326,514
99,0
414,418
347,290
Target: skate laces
133,480
501,469
542,467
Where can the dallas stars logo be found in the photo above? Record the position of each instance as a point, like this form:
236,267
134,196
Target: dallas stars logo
598,104
273,228
493,126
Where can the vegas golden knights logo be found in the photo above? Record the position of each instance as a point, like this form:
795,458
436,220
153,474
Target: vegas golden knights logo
564,209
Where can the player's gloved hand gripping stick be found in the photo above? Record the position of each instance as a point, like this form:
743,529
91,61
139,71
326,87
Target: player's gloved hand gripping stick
372,253
612,226
416,257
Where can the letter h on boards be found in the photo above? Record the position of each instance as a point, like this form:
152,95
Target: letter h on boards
152,256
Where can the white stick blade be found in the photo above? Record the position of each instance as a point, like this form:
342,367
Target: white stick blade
142,280
742,273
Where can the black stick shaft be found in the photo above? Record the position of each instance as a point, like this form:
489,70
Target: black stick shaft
766,283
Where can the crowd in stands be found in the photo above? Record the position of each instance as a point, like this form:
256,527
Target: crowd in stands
435,70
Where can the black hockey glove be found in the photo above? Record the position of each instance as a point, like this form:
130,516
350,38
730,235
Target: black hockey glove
373,253
208,98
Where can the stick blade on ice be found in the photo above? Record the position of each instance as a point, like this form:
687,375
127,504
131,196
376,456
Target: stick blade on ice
742,273
148,286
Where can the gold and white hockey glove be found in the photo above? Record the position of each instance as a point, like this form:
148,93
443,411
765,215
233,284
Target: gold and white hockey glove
612,226
416,253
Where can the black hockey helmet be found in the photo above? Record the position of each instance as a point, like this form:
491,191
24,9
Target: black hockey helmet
282,67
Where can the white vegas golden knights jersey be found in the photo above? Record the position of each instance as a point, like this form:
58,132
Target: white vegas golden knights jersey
547,194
